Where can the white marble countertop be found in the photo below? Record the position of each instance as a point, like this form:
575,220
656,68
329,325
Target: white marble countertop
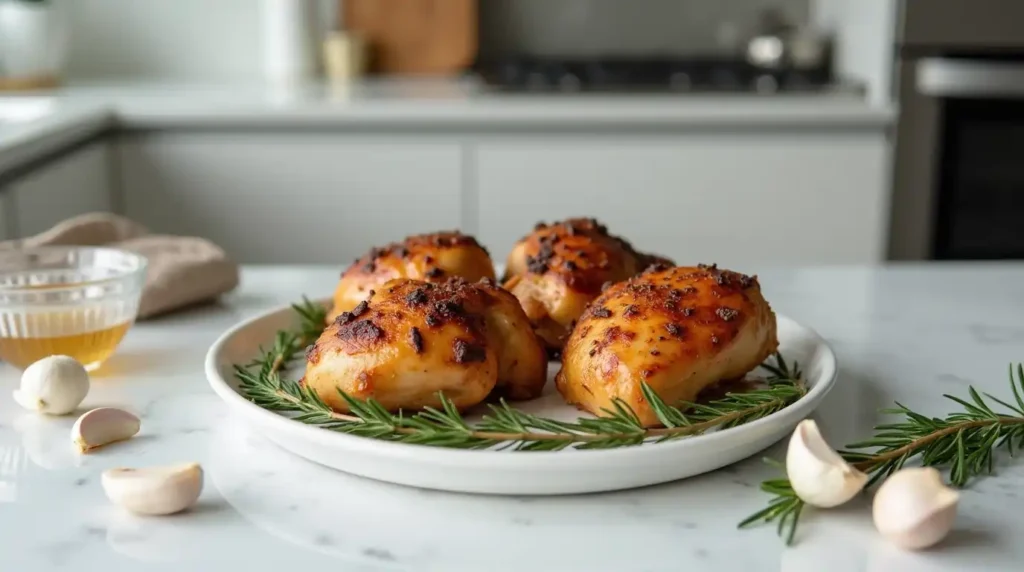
909,333
414,103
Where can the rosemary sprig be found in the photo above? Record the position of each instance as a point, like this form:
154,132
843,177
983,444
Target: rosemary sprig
503,426
784,508
964,442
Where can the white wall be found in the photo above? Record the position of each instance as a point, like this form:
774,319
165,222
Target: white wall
183,40
865,33
164,39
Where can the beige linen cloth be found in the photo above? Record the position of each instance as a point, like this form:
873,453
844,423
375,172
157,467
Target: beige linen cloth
183,270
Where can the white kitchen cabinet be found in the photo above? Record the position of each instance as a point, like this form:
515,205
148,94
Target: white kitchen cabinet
291,197
731,198
74,184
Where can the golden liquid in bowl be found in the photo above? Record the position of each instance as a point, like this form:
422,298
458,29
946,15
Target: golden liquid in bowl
90,348
78,302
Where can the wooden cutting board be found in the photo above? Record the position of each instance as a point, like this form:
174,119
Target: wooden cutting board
415,36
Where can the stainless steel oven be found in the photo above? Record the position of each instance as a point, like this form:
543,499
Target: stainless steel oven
958,189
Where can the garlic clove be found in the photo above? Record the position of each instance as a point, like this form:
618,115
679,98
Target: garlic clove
55,385
103,426
154,490
819,476
27,401
914,509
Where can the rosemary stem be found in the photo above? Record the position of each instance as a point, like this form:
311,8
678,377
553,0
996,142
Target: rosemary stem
569,436
278,361
262,384
917,444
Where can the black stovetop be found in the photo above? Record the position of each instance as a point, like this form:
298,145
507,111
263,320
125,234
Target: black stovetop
665,75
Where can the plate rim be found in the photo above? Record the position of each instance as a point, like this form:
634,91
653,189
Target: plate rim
792,414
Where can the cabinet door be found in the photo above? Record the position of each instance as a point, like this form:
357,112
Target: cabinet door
291,198
75,184
726,198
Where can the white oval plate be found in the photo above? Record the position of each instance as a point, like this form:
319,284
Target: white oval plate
515,472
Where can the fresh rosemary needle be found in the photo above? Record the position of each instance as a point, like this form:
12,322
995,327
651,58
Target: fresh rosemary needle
503,426
964,442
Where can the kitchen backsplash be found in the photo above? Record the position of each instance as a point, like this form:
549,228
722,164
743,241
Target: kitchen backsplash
603,27
214,40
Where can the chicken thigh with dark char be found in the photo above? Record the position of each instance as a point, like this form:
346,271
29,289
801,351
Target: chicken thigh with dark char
433,257
679,330
557,270
412,339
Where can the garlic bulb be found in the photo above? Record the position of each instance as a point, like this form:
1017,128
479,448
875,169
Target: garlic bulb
914,509
55,385
819,476
103,426
154,490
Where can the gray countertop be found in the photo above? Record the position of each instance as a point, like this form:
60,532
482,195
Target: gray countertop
80,110
906,333
465,102
62,124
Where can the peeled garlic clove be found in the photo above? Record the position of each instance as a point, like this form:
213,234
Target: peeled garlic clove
914,509
103,426
55,385
154,490
819,476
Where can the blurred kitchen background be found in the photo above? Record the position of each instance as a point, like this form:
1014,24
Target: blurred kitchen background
785,132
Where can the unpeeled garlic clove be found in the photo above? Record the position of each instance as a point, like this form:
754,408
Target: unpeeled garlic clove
914,509
30,402
103,426
154,490
55,385
818,475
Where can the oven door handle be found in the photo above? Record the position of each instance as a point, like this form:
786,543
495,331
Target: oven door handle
949,77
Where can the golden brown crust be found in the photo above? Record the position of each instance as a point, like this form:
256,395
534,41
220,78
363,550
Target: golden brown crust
412,339
679,330
433,257
556,270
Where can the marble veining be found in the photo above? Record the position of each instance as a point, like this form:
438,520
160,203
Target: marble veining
904,332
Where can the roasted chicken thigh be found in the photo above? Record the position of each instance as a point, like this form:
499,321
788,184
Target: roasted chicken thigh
412,339
677,329
559,268
430,257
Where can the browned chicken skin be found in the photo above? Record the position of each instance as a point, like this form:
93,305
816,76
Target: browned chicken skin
678,329
412,339
430,257
556,270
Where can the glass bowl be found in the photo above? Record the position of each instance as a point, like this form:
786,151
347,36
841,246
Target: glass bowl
67,300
